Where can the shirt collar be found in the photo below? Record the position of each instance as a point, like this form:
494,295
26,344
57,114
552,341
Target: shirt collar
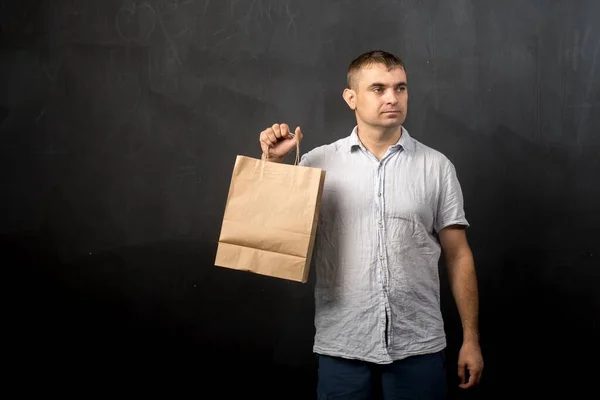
406,142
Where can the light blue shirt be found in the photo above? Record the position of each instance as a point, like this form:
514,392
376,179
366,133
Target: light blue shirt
377,251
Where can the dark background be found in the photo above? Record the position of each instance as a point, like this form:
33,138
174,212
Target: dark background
120,122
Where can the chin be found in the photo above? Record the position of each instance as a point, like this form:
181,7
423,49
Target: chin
384,122
392,123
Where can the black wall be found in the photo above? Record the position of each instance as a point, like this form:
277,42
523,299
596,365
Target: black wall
119,125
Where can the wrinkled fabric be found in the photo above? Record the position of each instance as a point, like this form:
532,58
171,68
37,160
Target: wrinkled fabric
377,251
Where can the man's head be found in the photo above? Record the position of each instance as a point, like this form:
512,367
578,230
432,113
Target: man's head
377,89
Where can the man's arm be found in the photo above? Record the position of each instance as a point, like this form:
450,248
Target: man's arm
462,278
463,283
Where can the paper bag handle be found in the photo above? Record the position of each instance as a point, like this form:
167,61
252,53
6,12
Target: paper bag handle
265,156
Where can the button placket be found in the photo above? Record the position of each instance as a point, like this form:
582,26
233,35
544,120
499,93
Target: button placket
382,264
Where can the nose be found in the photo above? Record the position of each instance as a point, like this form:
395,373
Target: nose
390,96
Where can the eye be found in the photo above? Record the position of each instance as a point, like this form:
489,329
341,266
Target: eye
377,89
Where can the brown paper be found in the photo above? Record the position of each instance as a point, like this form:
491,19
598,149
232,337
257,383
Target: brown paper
270,218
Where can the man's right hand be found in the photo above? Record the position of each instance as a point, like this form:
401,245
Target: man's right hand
276,141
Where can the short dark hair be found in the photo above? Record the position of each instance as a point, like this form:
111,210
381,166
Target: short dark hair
372,57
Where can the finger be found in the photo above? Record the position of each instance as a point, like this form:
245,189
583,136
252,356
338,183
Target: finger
469,383
461,373
277,131
271,135
285,130
264,138
264,146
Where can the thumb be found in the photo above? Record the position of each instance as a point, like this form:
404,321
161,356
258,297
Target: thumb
298,134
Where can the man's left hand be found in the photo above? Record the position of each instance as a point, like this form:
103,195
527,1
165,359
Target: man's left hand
470,360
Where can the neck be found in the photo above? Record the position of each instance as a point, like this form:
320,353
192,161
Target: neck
378,139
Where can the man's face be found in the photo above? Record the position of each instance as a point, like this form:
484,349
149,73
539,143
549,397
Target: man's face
378,96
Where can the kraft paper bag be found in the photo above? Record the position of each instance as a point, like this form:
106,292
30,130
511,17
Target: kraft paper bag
271,218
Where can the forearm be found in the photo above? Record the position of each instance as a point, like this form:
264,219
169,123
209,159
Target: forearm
463,283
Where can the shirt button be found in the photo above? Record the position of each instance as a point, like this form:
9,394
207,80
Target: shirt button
379,194
381,257
380,224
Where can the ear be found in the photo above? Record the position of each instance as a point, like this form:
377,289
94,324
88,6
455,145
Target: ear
350,97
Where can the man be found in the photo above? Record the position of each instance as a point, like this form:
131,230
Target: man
390,207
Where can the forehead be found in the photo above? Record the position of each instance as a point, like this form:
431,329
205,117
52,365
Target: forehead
379,73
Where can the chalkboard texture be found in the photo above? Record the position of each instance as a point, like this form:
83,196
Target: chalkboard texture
120,122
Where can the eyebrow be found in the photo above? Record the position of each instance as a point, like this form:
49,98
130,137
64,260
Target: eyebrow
376,84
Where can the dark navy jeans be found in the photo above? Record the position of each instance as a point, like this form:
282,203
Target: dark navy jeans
420,377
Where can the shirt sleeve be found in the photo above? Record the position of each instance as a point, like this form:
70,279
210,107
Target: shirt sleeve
305,160
450,209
